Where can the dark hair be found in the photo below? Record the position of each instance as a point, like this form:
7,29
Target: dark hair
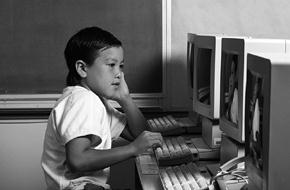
85,45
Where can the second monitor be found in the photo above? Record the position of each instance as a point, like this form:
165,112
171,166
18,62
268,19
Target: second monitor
233,80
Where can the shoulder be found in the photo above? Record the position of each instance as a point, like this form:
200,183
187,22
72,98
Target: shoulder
77,96
83,94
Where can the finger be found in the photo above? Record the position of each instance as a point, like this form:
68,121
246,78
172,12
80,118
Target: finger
155,146
153,138
159,135
156,136
153,133
122,76
156,143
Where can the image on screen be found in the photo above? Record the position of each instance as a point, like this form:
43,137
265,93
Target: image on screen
255,124
203,75
231,88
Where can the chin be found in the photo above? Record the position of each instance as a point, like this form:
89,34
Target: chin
108,95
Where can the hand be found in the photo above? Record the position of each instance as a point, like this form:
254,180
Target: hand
145,141
122,91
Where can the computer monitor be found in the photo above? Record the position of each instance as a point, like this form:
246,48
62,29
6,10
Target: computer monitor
193,116
207,59
233,80
190,62
267,118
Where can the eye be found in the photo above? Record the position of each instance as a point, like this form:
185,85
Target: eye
122,66
111,64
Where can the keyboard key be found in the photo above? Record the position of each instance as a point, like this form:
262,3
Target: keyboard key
189,177
185,177
174,151
165,178
168,125
159,126
197,176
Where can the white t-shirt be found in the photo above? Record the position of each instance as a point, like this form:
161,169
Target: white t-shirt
78,112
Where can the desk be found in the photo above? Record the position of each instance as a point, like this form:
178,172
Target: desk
147,181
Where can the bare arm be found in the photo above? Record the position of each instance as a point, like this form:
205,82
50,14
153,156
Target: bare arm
136,121
126,134
82,157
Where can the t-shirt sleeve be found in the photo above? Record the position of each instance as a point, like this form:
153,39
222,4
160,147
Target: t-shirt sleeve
82,115
118,121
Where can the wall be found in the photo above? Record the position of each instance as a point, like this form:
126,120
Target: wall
20,154
256,18
33,35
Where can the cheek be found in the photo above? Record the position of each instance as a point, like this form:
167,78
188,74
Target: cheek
97,74
101,76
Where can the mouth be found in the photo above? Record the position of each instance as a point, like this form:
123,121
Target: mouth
115,83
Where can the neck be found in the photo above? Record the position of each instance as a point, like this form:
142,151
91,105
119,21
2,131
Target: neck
82,84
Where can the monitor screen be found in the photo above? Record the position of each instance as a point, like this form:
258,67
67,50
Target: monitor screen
230,90
231,98
192,115
190,63
255,100
254,123
203,75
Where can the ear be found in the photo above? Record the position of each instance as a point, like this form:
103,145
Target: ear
81,68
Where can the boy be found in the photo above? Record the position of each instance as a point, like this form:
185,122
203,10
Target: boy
77,146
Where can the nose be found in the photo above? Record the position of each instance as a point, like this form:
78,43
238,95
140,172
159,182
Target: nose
117,72
118,75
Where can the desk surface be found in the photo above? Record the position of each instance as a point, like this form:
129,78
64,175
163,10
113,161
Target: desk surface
148,181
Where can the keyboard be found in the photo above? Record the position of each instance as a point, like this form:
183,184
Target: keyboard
174,151
168,125
183,177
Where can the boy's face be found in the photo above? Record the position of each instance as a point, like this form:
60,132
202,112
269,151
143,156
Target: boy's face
103,76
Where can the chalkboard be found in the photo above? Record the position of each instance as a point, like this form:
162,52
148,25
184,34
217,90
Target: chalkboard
33,35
